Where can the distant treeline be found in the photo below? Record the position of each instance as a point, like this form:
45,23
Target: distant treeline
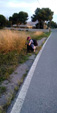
44,16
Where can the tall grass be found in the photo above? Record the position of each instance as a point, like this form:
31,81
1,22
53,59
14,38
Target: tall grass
38,33
12,40
13,50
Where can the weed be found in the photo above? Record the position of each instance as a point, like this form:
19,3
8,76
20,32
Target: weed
1,109
15,72
2,89
16,88
9,99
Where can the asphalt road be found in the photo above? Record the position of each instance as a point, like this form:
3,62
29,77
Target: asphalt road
41,96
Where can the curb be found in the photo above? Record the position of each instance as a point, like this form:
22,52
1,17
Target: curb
22,94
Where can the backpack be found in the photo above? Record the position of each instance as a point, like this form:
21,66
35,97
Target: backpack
35,42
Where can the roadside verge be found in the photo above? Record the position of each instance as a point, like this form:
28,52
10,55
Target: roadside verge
22,94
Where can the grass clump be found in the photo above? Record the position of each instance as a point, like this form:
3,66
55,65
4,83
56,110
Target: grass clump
2,89
8,63
38,37
12,40
1,109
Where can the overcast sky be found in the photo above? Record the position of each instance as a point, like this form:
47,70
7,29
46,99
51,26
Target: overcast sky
8,7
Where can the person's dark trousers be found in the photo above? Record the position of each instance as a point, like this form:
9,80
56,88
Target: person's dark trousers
29,48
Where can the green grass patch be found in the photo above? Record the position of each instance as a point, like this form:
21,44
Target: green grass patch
41,36
24,55
2,89
8,63
1,109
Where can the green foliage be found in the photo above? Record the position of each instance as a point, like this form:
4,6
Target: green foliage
2,21
8,62
19,18
14,19
41,36
52,24
2,89
8,23
42,15
23,16
23,56
1,109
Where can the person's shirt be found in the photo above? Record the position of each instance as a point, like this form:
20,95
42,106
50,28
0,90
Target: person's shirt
31,43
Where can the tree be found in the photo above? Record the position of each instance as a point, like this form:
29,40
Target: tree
2,21
23,17
42,15
8,23
52,24
19,18
14,18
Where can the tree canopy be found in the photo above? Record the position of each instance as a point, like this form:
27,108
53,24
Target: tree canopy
19,18
2,21
42,15
52,24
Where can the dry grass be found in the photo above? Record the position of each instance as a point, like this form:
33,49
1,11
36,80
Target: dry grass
38,33
12,40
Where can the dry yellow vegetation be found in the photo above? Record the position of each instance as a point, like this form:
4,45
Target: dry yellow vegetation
38,33
13,40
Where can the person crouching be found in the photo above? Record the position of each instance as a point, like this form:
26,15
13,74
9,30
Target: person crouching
30,45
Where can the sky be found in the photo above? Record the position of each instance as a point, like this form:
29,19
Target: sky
9,7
